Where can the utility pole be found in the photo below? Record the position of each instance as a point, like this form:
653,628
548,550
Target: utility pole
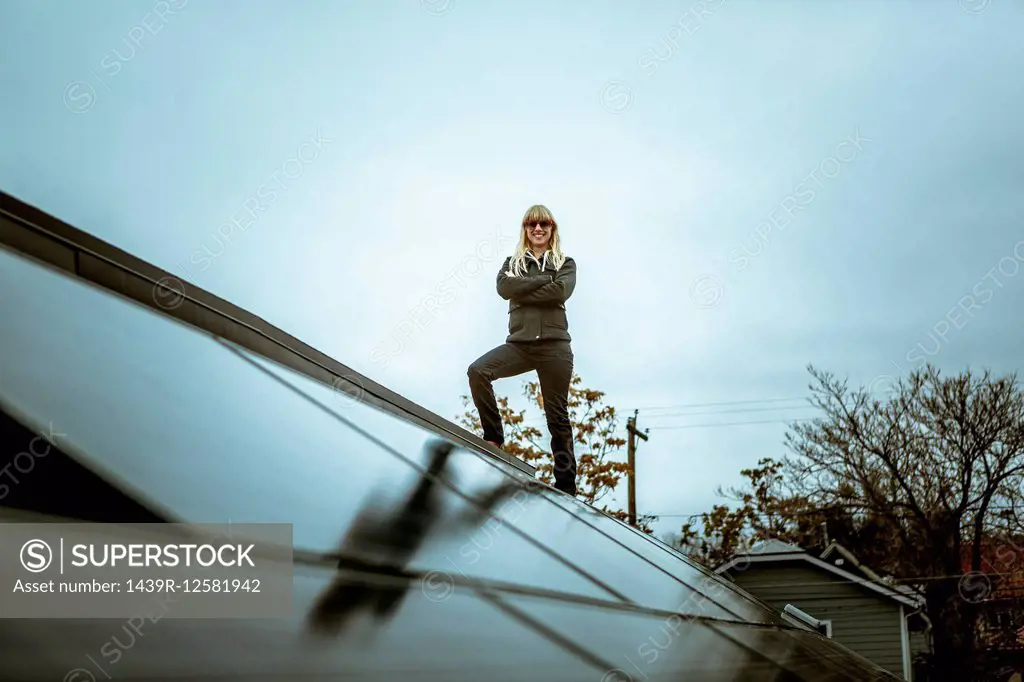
633,435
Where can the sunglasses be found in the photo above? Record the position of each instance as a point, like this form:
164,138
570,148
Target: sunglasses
543,224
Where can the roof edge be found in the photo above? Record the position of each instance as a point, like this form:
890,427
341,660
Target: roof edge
881,588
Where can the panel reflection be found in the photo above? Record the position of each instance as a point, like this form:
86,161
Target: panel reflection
385,538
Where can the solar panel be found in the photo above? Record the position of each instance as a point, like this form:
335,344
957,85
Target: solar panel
534,584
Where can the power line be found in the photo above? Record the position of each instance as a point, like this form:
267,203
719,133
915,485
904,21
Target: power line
540,419
728,403
725,403
679,413
747,423
720,404
803,512
743,410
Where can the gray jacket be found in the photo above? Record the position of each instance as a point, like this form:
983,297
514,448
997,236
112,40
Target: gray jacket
536,301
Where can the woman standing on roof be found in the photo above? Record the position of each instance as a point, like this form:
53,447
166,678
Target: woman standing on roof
536,280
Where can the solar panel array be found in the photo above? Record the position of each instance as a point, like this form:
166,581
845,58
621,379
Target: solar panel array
415,558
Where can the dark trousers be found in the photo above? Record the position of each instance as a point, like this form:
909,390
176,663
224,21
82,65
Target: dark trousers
553,361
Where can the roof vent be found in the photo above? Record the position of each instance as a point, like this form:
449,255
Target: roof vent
805,619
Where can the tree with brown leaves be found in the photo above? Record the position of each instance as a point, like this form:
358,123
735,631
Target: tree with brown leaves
766,510
595,438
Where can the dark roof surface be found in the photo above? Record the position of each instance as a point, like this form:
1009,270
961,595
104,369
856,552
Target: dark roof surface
414,559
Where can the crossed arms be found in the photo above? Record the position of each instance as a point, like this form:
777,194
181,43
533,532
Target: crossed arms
543,289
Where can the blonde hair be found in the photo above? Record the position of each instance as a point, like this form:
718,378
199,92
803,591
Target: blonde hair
537,213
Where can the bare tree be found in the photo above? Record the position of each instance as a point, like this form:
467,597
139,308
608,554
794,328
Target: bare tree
941,461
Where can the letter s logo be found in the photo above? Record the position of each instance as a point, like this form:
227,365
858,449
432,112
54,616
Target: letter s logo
79,97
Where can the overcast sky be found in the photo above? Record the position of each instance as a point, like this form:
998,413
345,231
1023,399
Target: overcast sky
747,187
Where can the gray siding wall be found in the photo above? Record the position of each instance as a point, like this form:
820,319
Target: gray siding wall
919,643
863,621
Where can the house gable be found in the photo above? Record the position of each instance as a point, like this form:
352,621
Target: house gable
800,557
840,557
865,621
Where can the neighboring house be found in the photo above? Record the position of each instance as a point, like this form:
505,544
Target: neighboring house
917,621
861,611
